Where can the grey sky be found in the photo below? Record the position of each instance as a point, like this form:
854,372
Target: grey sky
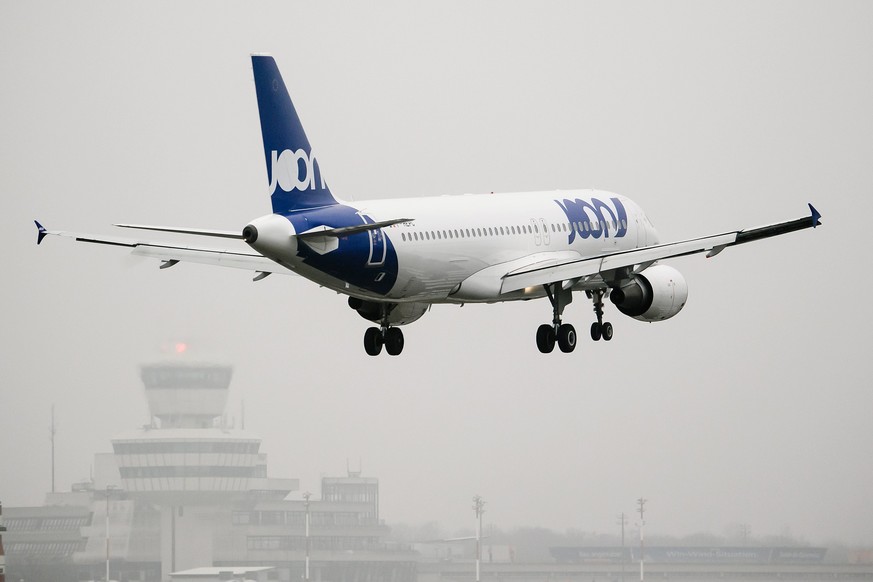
751,406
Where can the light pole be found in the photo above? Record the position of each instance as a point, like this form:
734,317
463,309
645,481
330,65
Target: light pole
478,507
745,530
622,520
642,508
108,489
306,497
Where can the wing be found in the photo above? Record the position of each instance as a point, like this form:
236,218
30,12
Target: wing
535,275
172,254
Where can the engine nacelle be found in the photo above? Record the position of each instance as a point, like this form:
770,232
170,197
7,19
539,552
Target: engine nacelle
400,313
658,293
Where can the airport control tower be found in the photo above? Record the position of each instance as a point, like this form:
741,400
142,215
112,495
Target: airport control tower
188,464
187,455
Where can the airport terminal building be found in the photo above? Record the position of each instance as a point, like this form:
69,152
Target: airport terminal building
186,491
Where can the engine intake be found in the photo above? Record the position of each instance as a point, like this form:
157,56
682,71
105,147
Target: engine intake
659,293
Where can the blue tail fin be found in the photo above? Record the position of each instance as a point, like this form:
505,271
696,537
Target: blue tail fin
296,181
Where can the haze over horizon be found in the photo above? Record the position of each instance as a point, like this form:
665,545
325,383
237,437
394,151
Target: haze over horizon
751,406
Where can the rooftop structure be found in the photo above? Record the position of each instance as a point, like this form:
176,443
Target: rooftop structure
183,395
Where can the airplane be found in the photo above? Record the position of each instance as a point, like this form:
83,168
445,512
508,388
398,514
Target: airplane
395,258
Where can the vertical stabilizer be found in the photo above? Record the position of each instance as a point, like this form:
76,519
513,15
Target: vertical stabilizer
293,172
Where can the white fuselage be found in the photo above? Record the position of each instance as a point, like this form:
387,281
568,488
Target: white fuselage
451,245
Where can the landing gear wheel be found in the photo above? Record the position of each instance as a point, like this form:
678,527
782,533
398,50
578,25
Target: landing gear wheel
373,341
393,341
607,331
546,338
597,331
567,338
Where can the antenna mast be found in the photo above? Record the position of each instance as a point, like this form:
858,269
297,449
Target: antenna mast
53,431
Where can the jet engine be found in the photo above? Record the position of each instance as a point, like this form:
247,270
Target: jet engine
656,294
398,313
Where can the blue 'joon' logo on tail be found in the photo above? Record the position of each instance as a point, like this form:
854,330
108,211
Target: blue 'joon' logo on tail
587,219
296,182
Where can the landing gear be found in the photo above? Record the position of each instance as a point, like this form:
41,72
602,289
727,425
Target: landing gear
562,333
600,329
390,337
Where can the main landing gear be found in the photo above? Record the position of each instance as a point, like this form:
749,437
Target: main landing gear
599,329
390,337
564,334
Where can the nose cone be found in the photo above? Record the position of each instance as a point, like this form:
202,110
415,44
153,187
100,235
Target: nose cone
273,236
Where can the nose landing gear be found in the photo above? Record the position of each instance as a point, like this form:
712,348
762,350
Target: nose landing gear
599,329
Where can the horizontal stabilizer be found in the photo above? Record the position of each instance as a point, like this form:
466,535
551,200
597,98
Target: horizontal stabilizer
349,230
197,231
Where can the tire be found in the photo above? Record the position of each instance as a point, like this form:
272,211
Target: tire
546,338
567,338
596,331
607,331
373,341
394,341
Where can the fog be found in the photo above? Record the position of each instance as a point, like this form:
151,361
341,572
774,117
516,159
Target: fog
752,406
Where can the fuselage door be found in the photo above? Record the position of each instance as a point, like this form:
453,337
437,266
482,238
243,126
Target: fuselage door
538,239
378,249
547,238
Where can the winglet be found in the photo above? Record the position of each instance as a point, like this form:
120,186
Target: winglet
40,231
815,216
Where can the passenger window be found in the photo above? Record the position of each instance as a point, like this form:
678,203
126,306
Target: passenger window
403,236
